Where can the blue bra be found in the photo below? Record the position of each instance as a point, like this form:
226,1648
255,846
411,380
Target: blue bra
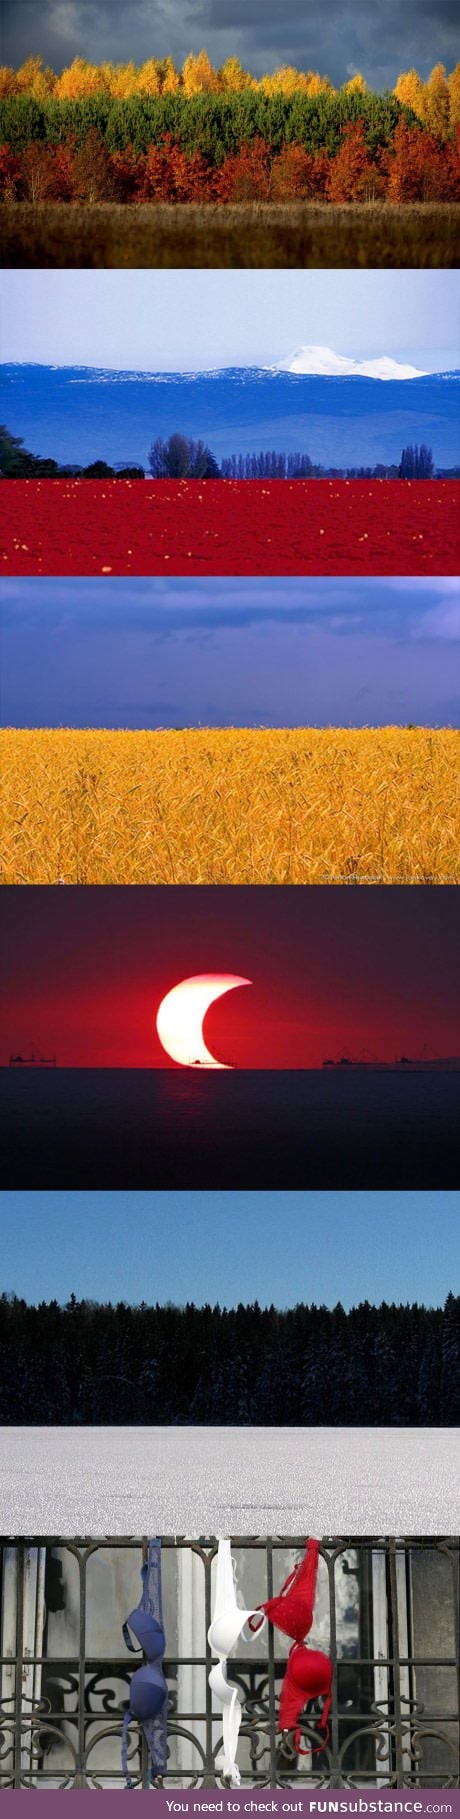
148,1691
148,1631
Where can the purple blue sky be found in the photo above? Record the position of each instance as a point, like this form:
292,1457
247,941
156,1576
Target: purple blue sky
334,38
190,320
229,1247
110,652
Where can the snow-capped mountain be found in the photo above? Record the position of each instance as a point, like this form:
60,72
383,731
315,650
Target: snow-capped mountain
83,414
324,363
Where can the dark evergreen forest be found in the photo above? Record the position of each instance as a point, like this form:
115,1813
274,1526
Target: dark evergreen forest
388,1365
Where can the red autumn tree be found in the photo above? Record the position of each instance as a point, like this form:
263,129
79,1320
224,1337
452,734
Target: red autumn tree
244,175
38,173
421,168
127,173
64,171
93,179
154,178
353,175
170,174
190,174
10,174
452,166
296,172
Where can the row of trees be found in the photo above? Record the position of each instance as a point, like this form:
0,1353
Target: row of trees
179,457
214,125
414,168
396,1365
436,101
17,463
415,464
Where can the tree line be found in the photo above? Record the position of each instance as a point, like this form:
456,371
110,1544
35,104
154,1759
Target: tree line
17,463
415,464
79,162
181,458
88,1363
436,102
215,125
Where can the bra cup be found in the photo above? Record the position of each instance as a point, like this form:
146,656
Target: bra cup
222,1688
309,1669
148,1632
147,1692
225,1630
292,1609
308,1676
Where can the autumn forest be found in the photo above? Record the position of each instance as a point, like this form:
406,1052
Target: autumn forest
115,133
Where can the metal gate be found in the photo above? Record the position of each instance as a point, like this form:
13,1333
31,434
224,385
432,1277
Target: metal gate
387,1612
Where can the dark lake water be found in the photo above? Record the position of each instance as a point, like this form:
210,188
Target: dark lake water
138,1128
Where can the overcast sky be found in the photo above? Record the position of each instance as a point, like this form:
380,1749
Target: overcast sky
176,320
335,38
226,1247
146,653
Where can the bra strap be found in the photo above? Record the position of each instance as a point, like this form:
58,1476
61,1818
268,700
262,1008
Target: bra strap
124,1749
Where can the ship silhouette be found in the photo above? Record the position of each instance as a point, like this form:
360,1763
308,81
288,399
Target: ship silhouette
402,1063
33,1059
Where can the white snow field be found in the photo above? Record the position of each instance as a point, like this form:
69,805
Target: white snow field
242,1481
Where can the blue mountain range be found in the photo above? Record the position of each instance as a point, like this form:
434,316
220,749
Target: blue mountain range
81,414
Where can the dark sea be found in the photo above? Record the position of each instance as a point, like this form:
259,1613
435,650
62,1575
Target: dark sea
139,1128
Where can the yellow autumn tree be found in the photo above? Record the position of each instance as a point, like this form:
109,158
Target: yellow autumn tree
436,102
290,81
318,85
454,96
283,81
198,75
33,79
232,77
79,81
7,81
118,79
356,85
170,78
148,78
409,91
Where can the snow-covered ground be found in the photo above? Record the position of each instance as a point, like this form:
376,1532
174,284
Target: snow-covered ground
246,1481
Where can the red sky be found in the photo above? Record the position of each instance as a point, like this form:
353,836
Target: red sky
363,969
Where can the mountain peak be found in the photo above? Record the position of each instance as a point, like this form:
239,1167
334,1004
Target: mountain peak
323,361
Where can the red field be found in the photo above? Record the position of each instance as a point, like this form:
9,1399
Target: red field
229,527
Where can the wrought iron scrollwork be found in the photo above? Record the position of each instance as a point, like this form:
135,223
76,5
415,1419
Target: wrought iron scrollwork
61,1714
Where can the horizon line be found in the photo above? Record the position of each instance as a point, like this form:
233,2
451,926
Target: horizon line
268,366
180,1307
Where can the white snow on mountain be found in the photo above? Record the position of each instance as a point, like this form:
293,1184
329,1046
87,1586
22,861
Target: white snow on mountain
323,361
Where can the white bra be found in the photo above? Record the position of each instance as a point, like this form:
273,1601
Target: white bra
225,1630
228,1624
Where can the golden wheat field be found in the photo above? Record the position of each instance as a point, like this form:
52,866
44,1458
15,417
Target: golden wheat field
233,806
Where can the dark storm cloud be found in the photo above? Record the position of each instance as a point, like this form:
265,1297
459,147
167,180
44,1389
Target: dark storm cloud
334,38
399,609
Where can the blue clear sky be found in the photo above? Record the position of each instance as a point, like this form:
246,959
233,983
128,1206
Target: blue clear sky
186,320
146,653
230,1247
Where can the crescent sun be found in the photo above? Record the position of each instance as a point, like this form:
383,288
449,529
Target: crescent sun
180,1017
